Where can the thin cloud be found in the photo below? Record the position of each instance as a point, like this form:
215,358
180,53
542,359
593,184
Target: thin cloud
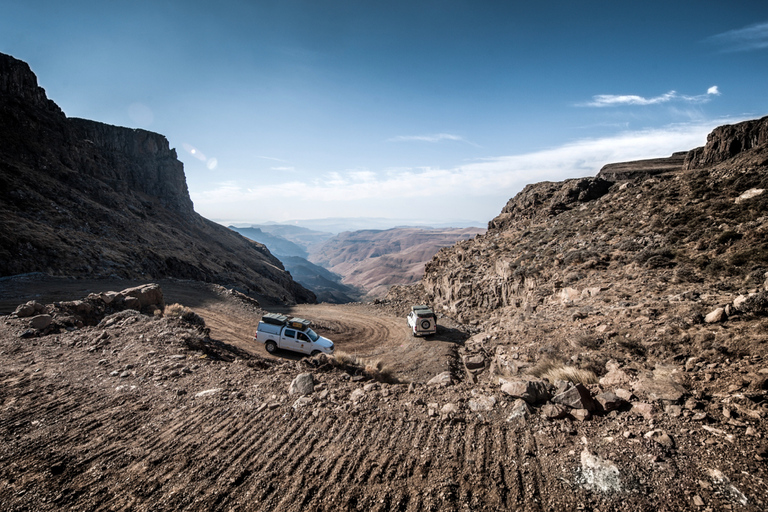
751,37
616,100
272,158
437,137
480,187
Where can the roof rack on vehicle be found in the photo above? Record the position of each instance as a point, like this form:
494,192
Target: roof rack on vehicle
274,319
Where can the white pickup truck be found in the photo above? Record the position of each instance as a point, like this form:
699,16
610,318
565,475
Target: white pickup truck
422,321
278,331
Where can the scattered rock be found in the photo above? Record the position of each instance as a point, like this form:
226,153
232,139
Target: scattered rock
301,402
442,380
576,397
581,414
554,411
449,410
40,322
474,362
716,316
357,395
207,392
520,409
660,437
749,194
647,411
28,309
303,384
481,403
599,474
609,401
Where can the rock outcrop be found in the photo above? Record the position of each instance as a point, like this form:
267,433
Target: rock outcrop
82,198
631,170
135,160
728,141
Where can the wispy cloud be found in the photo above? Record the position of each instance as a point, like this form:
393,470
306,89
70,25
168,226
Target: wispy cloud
272,158
480,188
615,100
752,37
437,137
283,169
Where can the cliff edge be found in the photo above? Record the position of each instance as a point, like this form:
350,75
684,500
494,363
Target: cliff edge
86,199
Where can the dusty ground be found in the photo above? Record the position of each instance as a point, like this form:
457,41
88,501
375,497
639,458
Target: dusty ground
128,416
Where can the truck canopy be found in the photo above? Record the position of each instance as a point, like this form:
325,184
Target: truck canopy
423,311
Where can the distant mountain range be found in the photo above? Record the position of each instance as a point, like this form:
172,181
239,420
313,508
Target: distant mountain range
336,225
354,264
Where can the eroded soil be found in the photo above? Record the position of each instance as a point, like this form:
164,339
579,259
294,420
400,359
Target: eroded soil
128,416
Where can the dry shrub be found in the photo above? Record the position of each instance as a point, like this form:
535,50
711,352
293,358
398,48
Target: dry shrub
174,310
544,365
554,370
185,314
571,374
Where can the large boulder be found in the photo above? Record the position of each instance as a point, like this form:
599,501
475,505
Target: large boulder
576,397
148,295
303,384
532,391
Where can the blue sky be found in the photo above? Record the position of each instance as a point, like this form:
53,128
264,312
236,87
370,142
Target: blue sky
418,111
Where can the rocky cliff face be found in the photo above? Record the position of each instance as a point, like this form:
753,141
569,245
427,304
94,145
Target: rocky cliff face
631,170
728,141
83,198
135,160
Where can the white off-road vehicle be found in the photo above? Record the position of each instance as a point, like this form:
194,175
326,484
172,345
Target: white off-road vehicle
422,321
278,331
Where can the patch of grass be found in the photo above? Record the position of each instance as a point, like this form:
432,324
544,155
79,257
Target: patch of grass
185,314
554,370
571,374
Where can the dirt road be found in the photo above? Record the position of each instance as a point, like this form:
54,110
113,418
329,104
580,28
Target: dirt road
128,415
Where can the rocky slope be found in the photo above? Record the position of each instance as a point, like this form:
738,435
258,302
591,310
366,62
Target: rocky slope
655,287
83,198
374,260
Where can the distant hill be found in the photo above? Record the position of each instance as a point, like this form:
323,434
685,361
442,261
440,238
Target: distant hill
304,237
277,244
83,198
374,260
326,285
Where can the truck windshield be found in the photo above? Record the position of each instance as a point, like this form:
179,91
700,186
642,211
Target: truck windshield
312,334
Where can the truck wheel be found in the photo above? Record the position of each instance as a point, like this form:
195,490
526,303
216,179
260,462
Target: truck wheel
271,347
425,324
314,353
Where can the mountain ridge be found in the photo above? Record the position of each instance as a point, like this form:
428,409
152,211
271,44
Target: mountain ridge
84,198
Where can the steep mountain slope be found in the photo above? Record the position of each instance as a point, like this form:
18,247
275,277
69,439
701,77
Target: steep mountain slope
326,285
83,198
374,260
650,271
